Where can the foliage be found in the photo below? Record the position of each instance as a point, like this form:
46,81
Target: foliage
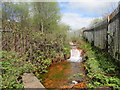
12,70
66,51
102,70
34,32
95,21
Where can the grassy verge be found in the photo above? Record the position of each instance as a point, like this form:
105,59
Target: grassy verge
102,70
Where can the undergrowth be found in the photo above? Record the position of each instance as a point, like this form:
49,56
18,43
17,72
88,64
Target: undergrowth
102,70
12,70
13,67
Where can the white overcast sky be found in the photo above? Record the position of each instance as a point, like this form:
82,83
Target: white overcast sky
79,13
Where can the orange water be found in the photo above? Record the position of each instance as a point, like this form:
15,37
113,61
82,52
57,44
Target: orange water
60,74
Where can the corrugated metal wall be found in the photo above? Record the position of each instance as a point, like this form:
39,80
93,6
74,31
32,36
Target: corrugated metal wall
113,36
106,34
100,32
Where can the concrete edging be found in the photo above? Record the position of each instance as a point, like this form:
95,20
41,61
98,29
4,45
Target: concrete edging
31,81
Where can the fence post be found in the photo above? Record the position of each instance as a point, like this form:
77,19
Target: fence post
119,31
106,47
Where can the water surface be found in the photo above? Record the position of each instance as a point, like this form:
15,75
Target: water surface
60,74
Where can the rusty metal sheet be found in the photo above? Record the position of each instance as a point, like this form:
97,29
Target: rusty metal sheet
112,15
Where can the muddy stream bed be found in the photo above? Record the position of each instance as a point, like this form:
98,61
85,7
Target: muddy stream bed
61,74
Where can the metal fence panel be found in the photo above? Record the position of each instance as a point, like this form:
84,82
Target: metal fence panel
106,34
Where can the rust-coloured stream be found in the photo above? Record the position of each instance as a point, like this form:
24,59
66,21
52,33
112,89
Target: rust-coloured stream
60,74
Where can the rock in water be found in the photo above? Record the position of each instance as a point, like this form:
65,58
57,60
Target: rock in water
74,82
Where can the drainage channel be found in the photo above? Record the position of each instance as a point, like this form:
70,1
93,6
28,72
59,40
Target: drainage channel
65,74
